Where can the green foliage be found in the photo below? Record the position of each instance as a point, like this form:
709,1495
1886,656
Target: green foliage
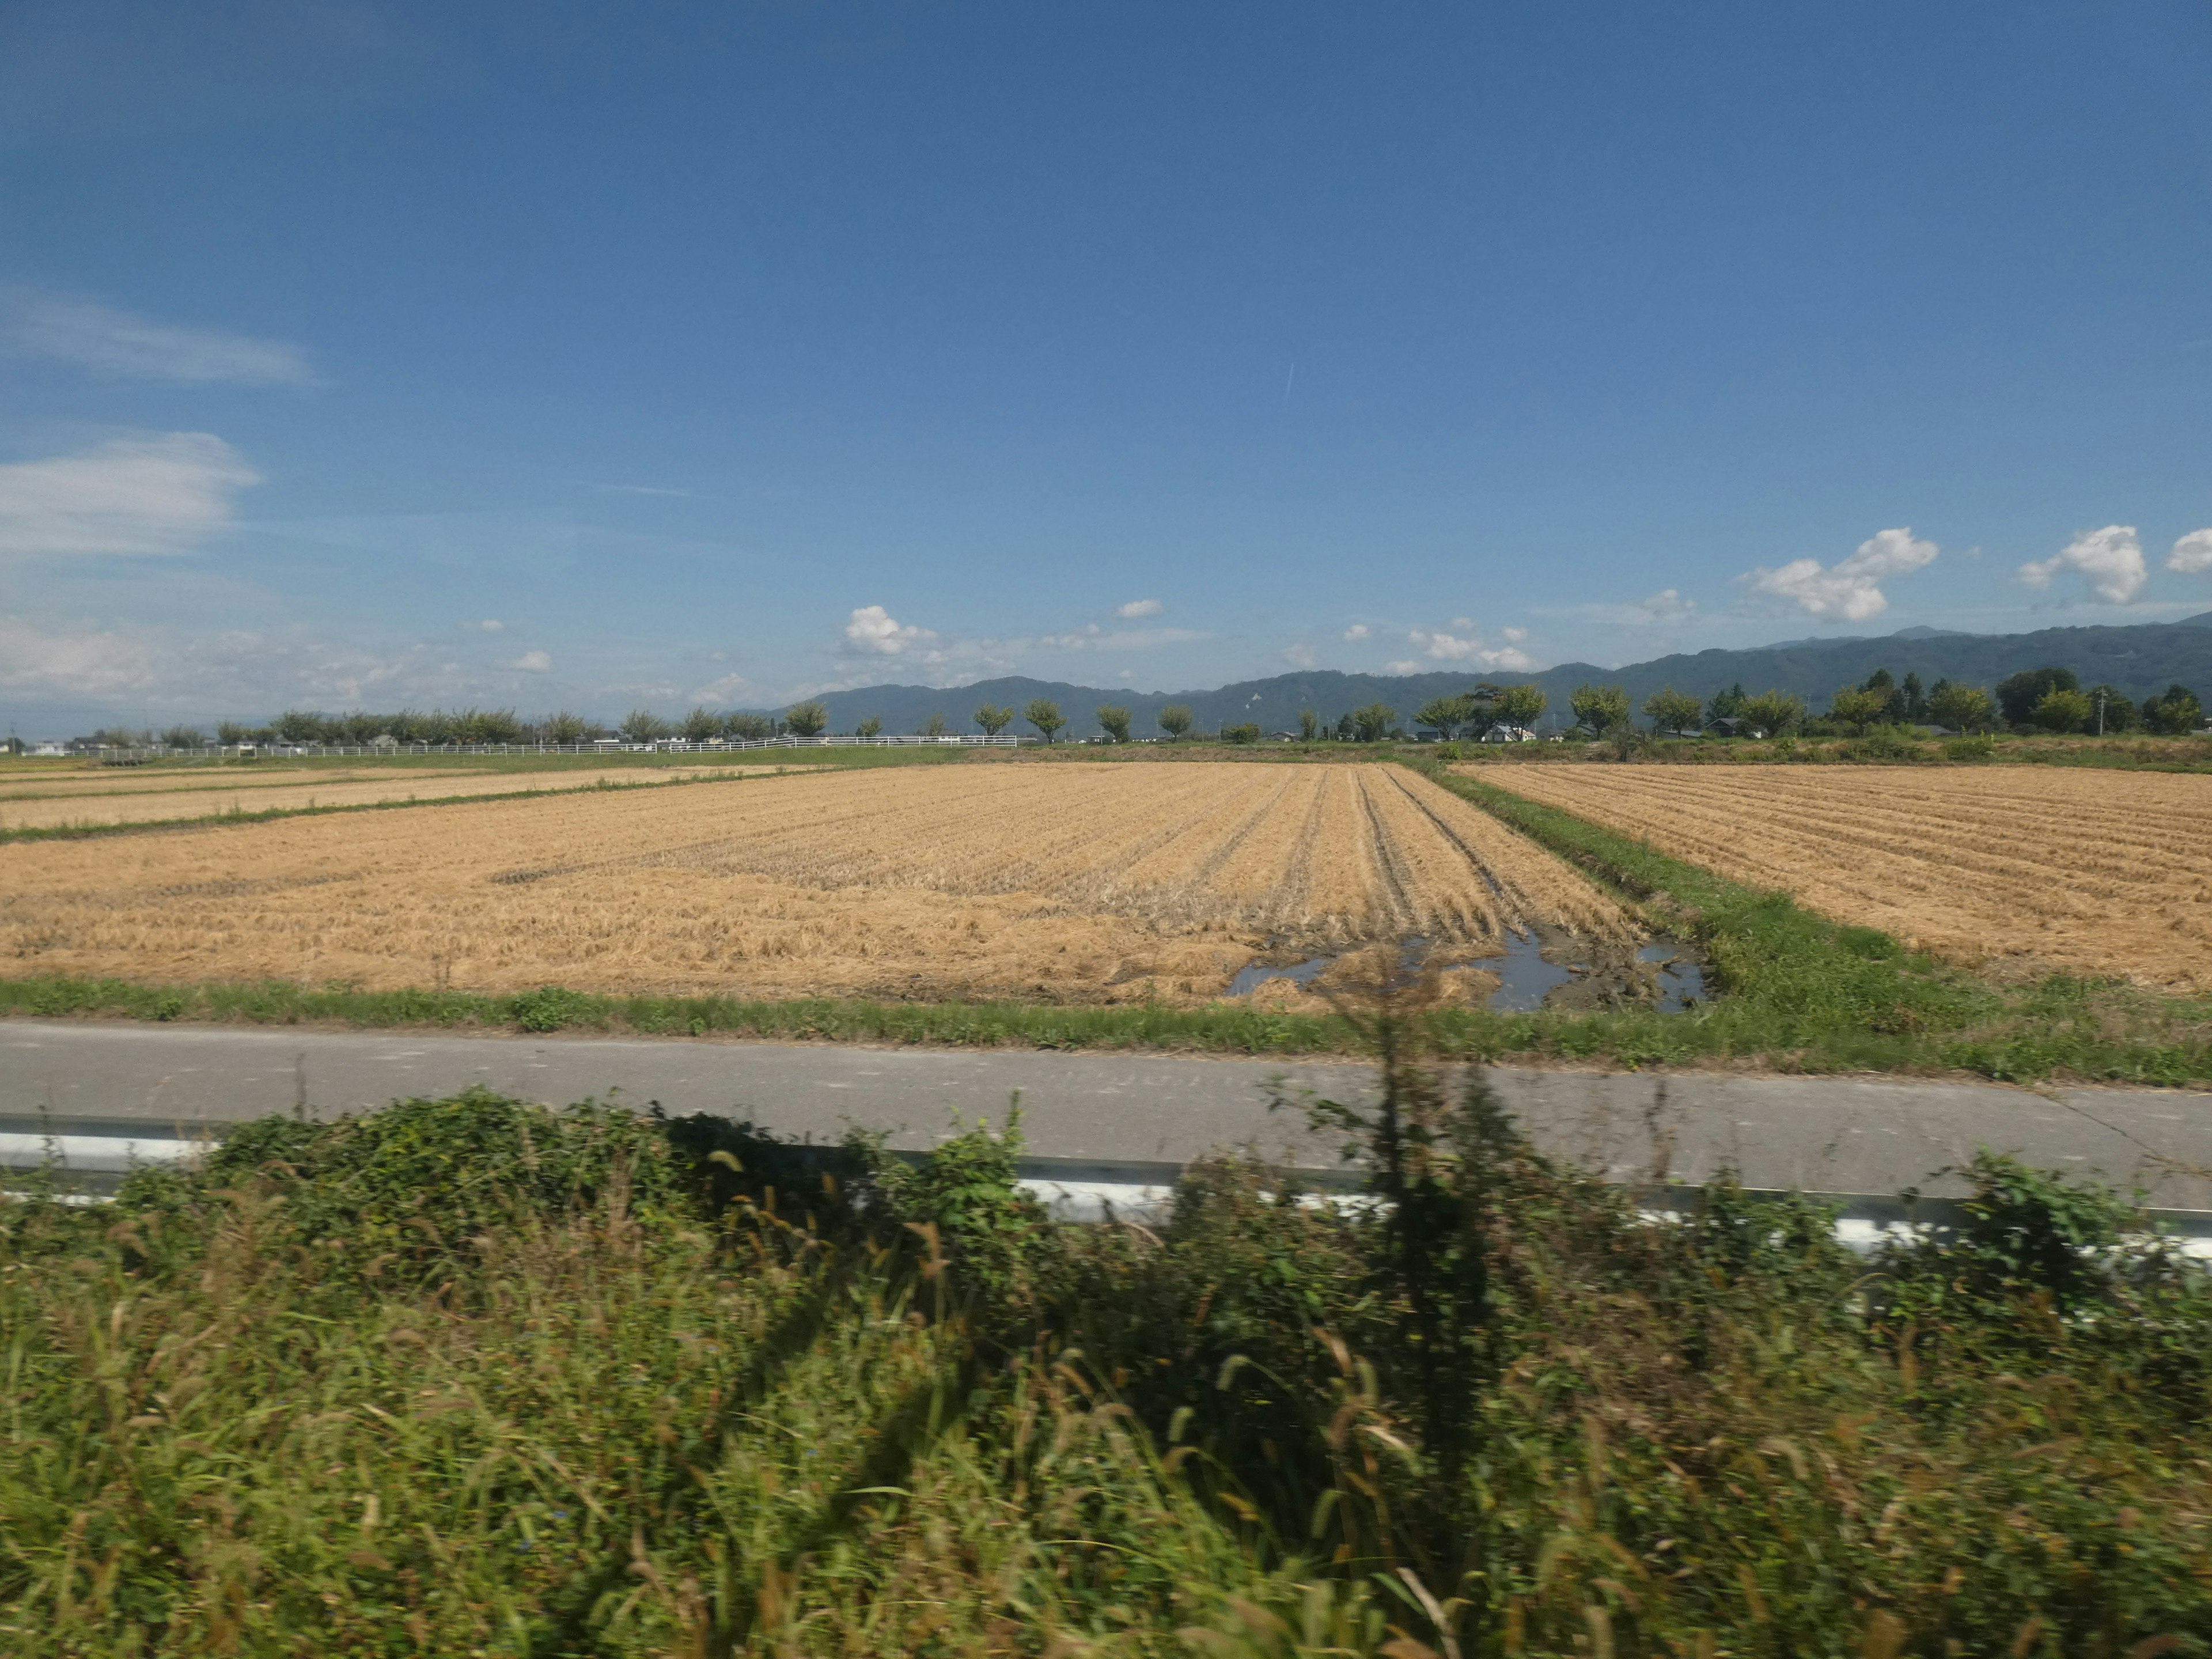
477,1376
1247,732
1113,721
753,728
1859,708
700,724
1669,710
2017,696
933,726
2174,712
1174,720
994,718
2114,710
1776,713
1962,707
1373,723
565,727
810,719
868,727
1981,748
642,725
1599,708
2062,710
1309,726
1444,715
1044,715
183,737
1523,705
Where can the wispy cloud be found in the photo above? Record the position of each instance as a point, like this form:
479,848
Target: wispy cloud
1299,655
1138,609
122,345
533,662
1357,631
2111,559
158,493
1445,646
1850,591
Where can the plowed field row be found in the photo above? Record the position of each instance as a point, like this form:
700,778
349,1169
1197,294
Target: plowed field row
2031,867
1080,883
161,806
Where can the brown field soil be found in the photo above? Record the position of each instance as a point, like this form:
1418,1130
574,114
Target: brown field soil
1073,883
90,806
2022,869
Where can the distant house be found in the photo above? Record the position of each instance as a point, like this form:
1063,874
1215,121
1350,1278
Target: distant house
1508,734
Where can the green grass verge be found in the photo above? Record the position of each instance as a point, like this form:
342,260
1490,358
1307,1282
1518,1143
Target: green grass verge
474,1377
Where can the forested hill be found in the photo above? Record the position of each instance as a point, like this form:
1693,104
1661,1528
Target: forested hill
2141,659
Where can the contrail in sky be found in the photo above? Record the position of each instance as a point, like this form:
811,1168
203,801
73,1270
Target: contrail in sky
1287,379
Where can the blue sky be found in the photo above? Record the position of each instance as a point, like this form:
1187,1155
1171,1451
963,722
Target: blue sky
355,354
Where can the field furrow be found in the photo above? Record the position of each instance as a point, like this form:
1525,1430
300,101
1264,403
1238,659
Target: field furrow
1067,881
2026,868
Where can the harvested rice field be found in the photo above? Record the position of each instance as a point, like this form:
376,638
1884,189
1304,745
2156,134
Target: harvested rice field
95,802
2020,869
1070,883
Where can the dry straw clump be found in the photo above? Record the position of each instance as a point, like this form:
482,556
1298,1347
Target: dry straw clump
2033,868
89,803
1075,883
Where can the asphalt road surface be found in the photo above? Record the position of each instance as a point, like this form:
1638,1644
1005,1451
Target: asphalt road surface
1127,1117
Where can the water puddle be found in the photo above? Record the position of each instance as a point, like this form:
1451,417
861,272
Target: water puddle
1249,980
1681,981
1526,978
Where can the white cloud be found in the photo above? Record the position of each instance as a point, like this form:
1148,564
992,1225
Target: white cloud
1138,609
1357,631
533,662
1518,661
1848,591
160,492
490,625
1401,668
2111,559
871,631
1467,648
121,346
2193,554
1447,647
727,689
1665,605
1515,636
1300,655
83,662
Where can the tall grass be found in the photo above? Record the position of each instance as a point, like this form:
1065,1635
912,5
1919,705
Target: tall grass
473,1377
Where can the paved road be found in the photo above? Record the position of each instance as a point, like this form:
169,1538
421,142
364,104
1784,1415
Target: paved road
1124,1112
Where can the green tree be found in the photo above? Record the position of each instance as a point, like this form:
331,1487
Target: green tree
2060,709
1346,727
1045,715
1373,723
1726,705
230,734
298,726
1915,699
1174,720
1309,726
1444,715
753,728
868,728
563,727
2174,712
994,718
1774,713
643,726
702,723
1600,707
2018,696
1962,707
2116,711
933,726
1248,733
1520,705
1669,710
807,719
1860,706
183,737
1114,721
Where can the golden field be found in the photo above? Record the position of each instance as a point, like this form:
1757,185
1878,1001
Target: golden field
97,801
2021,868
1074,882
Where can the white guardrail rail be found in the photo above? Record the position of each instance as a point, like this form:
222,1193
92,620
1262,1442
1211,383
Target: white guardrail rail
77,1167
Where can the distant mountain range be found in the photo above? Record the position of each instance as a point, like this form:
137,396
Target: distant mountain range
2141,659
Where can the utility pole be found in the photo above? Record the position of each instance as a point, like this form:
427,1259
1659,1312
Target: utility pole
2100,713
